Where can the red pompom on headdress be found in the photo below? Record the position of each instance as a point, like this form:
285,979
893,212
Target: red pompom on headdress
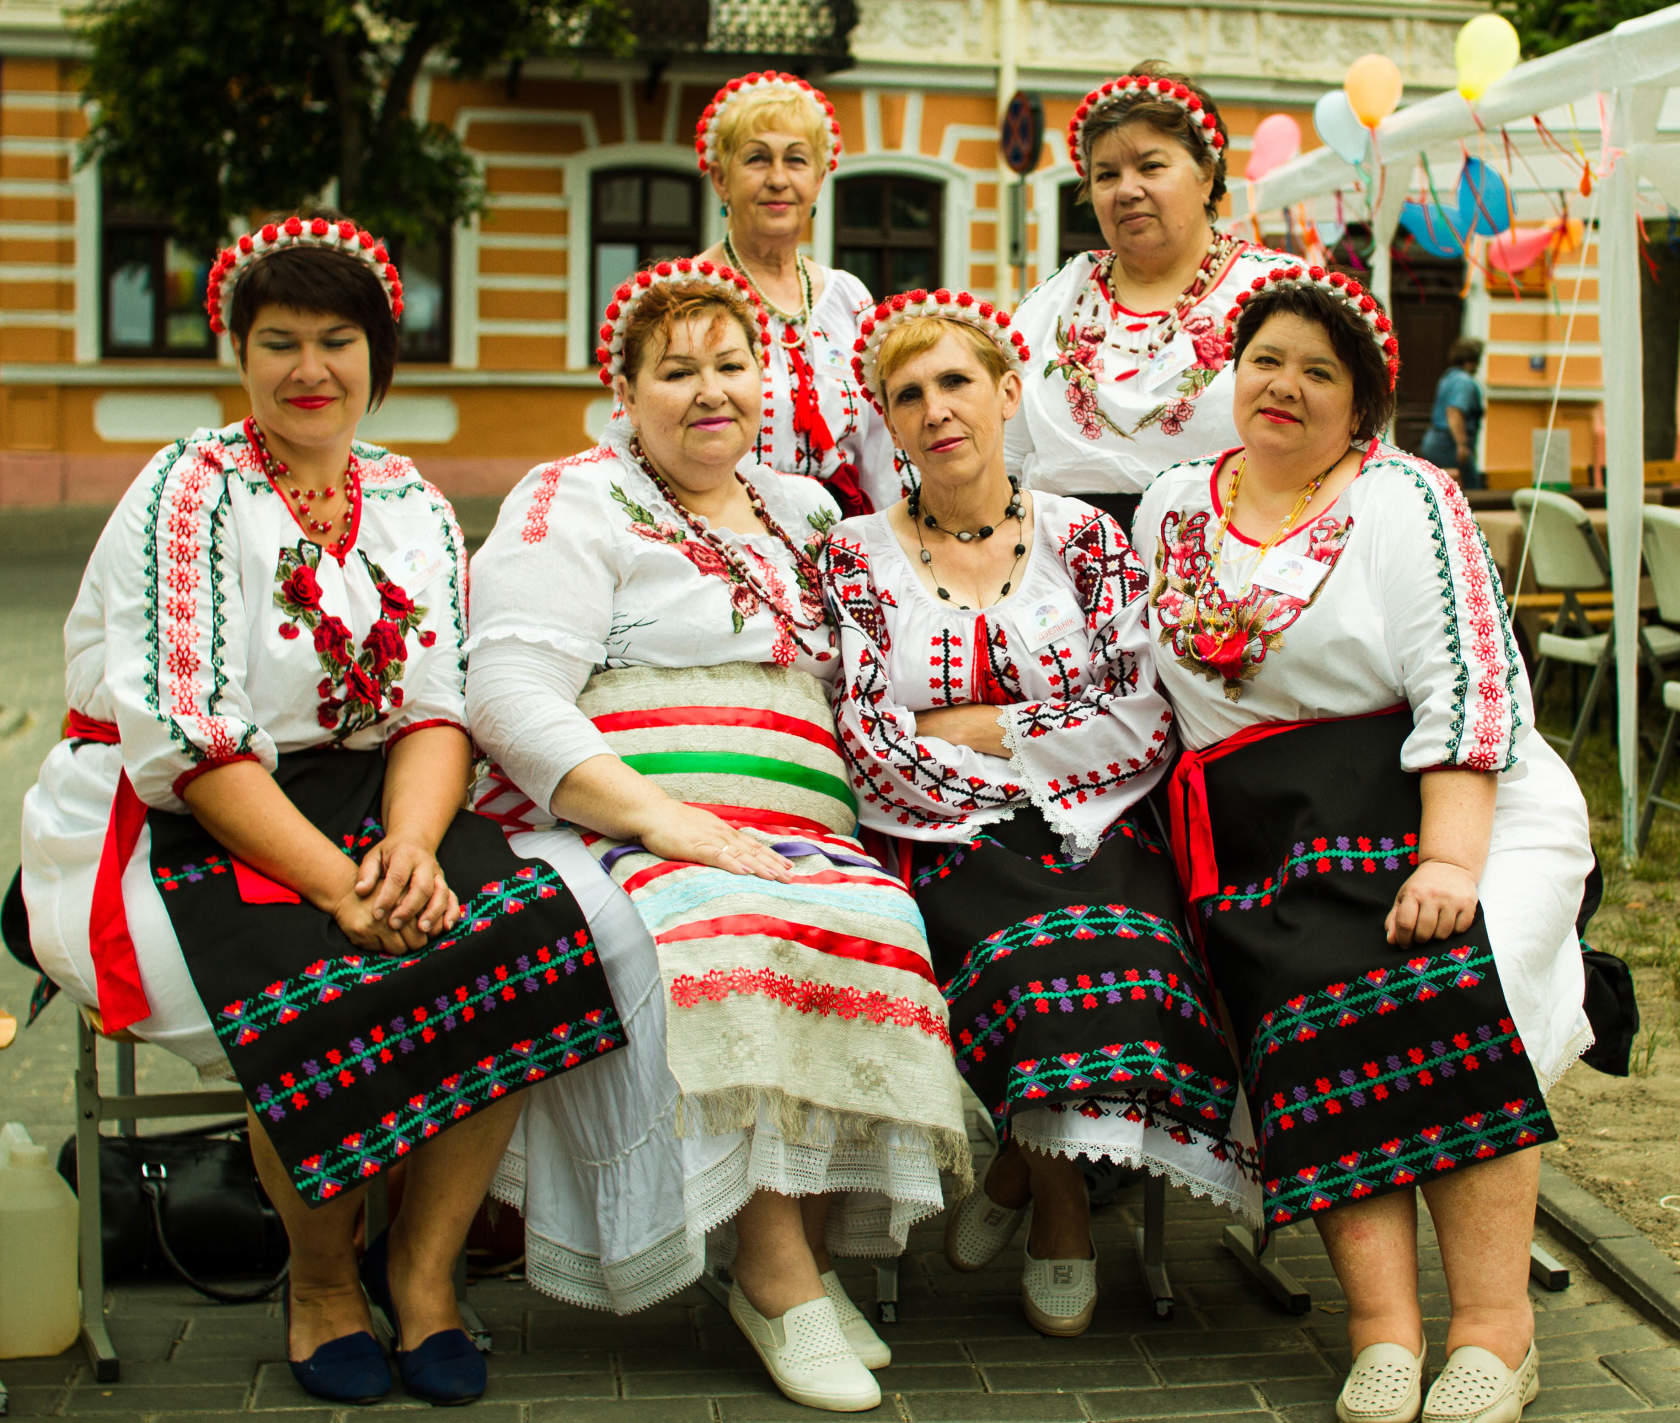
1143,86
609,355
296,231
992,321
1363,306
770,81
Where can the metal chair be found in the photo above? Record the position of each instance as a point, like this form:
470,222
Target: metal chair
1568,557
1665,761
1659,641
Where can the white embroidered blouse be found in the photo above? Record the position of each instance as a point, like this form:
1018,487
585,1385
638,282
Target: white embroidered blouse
1408,608
1064,657
210,629
1099,416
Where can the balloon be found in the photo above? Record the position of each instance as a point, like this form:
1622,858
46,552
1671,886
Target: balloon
1340,130
1373,87
1519,248
1482,203
1486,49
1277,139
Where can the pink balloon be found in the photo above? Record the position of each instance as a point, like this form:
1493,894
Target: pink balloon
1519,247
1277,139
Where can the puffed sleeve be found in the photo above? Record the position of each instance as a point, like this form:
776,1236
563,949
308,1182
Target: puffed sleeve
438,694
1447,627
923,788
176,630
1087,758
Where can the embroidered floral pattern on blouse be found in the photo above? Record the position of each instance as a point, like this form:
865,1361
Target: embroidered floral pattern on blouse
360,682
1208,631
852,589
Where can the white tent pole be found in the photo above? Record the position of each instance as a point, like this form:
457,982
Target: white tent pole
1624,440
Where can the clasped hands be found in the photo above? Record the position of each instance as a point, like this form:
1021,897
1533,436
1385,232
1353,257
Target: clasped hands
398,901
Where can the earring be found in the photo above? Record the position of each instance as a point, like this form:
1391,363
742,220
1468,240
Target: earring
723,208
813,210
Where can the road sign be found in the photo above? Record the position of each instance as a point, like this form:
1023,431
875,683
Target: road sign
1021,134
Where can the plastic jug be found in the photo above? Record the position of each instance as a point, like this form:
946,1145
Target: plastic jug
38,1280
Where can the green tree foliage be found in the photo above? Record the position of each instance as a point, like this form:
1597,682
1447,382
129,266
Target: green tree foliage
206,113
1547,25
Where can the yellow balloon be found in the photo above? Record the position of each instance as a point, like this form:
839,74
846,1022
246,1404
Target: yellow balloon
1486,49
1373,87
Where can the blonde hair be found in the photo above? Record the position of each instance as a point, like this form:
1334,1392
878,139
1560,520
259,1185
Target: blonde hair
920,334
657,312
751,114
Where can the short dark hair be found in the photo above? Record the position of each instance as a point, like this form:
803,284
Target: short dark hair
308,278
1466,351
1163,115
1350,339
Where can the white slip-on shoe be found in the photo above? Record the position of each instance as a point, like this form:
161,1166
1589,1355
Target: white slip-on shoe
1385,1385
1059,1296
871,1349
1476,1387
977,1228
807,1355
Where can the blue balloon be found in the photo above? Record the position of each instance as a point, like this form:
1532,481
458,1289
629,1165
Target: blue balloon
1436,232
1337,125
1482,204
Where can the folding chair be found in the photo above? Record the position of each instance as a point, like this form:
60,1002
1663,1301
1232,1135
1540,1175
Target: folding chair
1568,557
1659,641
1665,761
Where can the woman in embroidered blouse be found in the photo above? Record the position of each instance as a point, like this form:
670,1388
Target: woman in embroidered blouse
767,142
1131,375
999,711
1385,861
649,663
260,798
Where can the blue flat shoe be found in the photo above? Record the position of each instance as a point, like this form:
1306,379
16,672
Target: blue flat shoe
350,1369
447,1368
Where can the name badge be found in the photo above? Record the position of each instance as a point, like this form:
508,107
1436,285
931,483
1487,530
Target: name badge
1049,622
832,361
418,566
1292,574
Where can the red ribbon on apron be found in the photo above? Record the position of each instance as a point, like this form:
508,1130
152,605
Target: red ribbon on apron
116,967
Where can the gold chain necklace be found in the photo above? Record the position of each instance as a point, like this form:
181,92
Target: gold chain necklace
1304,498
789,318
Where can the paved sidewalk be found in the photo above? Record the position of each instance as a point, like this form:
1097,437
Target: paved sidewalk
962,1350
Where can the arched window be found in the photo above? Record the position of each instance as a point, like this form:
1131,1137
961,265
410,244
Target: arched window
637,216
1076,225
887,231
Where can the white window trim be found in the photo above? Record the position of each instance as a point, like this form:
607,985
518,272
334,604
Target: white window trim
955,207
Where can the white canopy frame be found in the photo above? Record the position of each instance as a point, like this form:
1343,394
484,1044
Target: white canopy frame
1632,67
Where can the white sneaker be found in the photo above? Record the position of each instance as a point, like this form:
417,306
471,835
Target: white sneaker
807,1354
977,1228
1059,1296
1385,1385
871,1349
1476,1387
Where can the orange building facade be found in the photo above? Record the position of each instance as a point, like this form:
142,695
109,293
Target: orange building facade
103,356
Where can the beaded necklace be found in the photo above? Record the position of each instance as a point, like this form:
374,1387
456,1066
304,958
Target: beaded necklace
913,506
789,319
275,472
789,622
1219,252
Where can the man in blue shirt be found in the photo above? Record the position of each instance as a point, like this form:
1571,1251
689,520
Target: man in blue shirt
1457,417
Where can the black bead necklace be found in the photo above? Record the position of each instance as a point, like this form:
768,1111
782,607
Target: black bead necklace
913,506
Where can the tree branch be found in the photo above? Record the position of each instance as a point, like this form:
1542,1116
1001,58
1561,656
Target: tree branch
401,84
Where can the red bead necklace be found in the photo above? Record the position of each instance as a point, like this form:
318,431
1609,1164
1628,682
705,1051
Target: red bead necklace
276,472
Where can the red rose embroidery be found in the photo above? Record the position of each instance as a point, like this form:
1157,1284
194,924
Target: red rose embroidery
704,557
327,715
332,639
1223,654
361,687
288,630
302,589
385,645
394,603
1172,423
1209,344
427,638
743,600
396,696
324,688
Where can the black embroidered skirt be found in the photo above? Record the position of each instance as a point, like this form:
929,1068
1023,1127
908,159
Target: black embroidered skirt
1074,985
353,1059
1369,1067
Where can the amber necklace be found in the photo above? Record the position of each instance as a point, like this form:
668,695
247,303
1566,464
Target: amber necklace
1304,498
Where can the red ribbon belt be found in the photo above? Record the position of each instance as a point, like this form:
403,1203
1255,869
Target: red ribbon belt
116,967
1191,828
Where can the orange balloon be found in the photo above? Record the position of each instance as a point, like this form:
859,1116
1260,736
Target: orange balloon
1373,85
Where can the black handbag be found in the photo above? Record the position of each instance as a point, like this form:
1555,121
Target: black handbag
186,1203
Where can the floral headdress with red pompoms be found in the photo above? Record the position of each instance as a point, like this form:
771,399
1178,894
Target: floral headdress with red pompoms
339,236
769,82
1364,307
610,353
1143,86
992,321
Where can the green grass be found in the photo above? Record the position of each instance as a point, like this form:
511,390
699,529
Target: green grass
1640,917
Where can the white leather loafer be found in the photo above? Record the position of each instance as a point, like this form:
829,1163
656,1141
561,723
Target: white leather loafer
1059,1296
1385,1385
807,1354
978,1228
871,1349
1476,1387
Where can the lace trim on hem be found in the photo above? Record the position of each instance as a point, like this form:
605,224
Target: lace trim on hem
1584,1038
1077,842
1240,1203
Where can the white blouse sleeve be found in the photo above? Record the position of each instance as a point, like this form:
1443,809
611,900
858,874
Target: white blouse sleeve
1088,758
1446,624
522,702
907,785
438,696
176,627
